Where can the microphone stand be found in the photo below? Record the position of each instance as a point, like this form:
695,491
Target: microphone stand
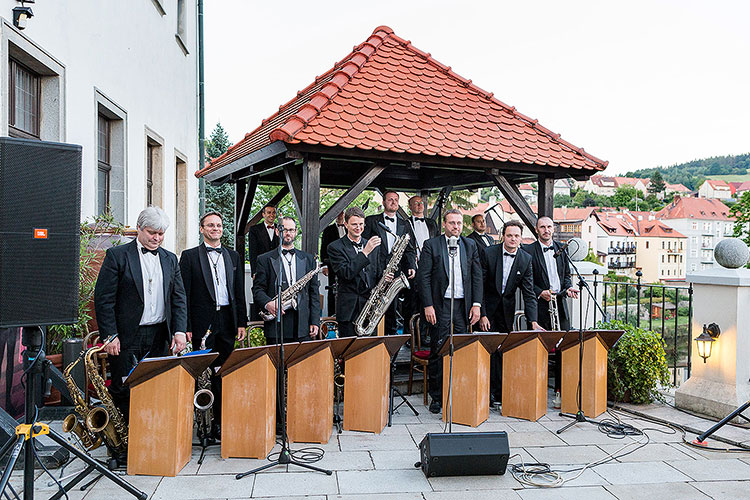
579,416
285,455
452,255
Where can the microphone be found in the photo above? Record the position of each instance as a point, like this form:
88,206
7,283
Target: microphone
381,224
578,246
452,246
562,249
491,208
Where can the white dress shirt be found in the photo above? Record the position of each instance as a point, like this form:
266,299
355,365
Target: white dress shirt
341,229
154,311
219,275
390,238
551,263
289,261
486,239
507,264
455,276
421,233
271,232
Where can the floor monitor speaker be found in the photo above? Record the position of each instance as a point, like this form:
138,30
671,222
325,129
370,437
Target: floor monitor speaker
464,454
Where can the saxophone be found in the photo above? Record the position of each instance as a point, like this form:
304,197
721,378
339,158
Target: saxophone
77,423
105,419
289,296
554,314
203,400
384,292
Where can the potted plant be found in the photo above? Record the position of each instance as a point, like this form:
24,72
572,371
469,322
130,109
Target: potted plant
637,364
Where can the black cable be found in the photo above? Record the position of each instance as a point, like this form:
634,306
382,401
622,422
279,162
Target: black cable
308,455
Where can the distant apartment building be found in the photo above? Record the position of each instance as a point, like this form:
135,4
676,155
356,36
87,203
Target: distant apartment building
738,188
715,189
660,252
606,186
705,222
562,186
576,223
675,188
616,242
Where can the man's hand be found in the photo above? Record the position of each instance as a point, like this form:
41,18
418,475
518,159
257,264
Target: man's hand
241,333
314,329
189,336
474,314
429,315
535,326
325,271
389,277
546,295
484,324
411,273
271,308
178,343
113,348
372,244
573,292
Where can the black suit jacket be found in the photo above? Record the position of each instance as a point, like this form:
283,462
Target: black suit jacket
521,275
259,243
308,300
118,295
372,228
330,234
541,278
201,293
432,228
352,269
481,240
434,264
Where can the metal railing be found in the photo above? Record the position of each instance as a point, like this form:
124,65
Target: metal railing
636,303
621,265
621,250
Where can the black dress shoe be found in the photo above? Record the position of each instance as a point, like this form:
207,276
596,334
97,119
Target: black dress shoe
435,406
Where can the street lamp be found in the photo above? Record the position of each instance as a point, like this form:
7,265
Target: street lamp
706,340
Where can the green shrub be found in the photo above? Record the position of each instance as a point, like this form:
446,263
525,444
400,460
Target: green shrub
636,364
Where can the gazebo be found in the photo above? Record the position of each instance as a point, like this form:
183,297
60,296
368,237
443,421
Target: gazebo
389,116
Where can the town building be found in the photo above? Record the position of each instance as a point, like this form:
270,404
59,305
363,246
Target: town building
660,252
715,189
121,81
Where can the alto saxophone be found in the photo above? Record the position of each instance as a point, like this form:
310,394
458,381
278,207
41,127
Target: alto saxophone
105,419
289,296
384,292
77,423
554,314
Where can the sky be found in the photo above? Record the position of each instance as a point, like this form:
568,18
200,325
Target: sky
640,84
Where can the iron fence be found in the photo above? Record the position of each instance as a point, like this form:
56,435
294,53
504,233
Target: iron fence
667,308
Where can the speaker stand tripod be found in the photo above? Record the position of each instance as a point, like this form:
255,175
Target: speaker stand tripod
34,364
395,392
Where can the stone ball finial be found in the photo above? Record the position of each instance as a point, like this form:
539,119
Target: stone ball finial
731,253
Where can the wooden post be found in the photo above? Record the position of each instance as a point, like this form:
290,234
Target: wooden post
272,202
310,205
360,185
243,200
516,200
546,196
295,188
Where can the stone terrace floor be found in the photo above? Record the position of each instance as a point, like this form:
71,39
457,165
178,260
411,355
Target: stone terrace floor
376,467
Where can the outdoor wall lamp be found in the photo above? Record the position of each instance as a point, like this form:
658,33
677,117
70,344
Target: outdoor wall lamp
706,340
22,14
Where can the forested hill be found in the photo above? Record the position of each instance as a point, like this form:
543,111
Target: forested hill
692,173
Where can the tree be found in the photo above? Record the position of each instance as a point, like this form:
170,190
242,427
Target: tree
657,183
220,198
741,212
625,196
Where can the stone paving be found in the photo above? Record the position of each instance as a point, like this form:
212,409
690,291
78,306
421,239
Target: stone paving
381,467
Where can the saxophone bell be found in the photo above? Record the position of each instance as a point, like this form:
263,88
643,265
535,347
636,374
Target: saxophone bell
203,399
74,425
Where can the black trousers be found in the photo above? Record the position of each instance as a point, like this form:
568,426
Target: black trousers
149,341
497,324
439,333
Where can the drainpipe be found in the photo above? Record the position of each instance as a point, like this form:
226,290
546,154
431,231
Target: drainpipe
201,114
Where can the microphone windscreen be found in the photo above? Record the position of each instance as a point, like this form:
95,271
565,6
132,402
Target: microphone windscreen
577,250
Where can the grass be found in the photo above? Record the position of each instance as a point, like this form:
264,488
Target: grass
730,177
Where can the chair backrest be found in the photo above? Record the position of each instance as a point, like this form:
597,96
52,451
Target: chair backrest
326,323
416,336
517,318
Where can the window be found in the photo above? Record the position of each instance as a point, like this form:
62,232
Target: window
24,92
693,267
104,154
181,34
662,259
154,169
695,225
662,245
646,247
181,200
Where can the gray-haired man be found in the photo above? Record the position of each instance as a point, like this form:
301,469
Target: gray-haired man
140,296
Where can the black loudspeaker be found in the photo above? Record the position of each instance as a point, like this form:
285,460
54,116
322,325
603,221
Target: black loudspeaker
464,454
40,214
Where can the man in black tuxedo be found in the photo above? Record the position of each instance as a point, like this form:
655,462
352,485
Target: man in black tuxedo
435,292
482,239
139,296
551,281
398,227
423,228
330,234
303,322
261,238
214,279
356,262
506,268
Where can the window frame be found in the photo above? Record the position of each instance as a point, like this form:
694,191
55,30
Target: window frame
105,165
13,130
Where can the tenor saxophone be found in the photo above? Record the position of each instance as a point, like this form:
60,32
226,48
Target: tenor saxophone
289,296
384,292
105,419
76,423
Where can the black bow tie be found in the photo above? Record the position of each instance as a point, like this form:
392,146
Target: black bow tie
546,249
419,219
146,250
212,249
511,255
357,246
286,252
392,219
340,225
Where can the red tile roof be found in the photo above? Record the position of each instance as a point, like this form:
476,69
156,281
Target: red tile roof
572,214
695,208
655,228
387,95
675,188
718,184
616,226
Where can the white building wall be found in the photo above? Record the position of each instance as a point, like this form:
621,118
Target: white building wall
702,238
127,53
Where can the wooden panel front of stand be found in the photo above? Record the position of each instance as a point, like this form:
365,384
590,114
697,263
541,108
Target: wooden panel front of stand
525,381
594,380
248,410
310,398
471,385
161,424
366,390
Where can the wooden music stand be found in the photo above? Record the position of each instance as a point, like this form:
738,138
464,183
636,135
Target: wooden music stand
248,403
596,344
160,436
367,364
471,376
310,389
525,356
